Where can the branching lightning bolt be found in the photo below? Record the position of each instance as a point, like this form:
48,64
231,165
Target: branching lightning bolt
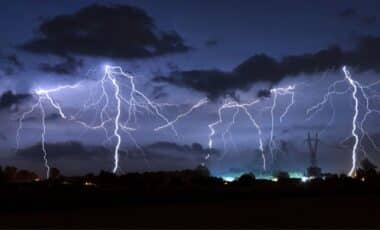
41,96
238,107
354,85
279,92
180,116
120,102
358,131
113,80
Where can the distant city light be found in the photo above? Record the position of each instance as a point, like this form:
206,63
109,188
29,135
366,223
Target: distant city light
228,178
88,183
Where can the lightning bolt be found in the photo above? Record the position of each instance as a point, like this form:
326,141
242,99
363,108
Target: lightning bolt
116,122
120,102
290,90
227,130
200,103
43,94
358,131
354,119
112,101
136,100
43,138
238,108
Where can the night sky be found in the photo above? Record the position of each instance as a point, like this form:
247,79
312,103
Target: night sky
180,52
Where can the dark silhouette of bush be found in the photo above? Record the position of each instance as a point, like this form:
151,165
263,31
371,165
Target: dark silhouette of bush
246,179
105,177
2,177
202,171
282,175
55,174
10,173
25,176
367,165
197,147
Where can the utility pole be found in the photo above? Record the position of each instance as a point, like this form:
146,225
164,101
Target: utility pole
313,170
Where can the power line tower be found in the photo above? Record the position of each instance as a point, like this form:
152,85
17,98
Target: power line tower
313,147
313,170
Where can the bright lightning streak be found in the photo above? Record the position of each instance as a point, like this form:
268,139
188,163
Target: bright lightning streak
20,126
112,80
357,131
330,92
197,105
134,102
227,131
110,74
43,131
354,119
240,107
117,119
279,92
43,138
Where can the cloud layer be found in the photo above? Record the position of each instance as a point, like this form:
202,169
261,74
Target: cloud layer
69,66
9,99
263,68
96,30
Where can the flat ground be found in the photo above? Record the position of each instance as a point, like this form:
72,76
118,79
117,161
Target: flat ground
343,203
336,212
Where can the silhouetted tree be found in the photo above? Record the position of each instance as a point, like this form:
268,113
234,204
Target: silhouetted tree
197,147
107,177
2,177
246,179
367,165
202,171
331,177
281,175
89,176
367,170
55,174
25,176
10,173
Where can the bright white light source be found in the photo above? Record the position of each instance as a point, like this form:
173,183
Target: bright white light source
106,68
228,178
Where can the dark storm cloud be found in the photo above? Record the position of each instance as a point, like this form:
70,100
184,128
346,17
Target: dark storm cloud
3,137
7,70
14,61
348,13
9,99
53,117
11,64
212,82
172,66
73,150
264,93
172,151
351,13
64,150
119,31
158,92
211,43
369,20
49,117
69,66
195,149
263,68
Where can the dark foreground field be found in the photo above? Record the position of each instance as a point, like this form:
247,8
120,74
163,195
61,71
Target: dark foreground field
337,212
263,204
